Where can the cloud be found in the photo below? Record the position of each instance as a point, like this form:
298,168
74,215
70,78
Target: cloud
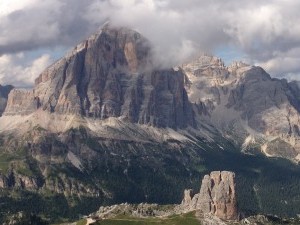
261,30
39,24
284,64
267,29
14,70
173,30
267,32
7,7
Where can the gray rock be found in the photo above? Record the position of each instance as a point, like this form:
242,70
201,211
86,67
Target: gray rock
217,196
187,197
109,75
21,102
247,105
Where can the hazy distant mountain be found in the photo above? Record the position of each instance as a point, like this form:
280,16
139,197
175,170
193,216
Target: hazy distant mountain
4,91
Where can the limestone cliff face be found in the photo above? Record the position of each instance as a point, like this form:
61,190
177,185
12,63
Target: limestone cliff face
246,104
4,91
21,102
217,196
109,75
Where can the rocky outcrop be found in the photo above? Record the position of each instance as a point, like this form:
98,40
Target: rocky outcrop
187,198
16,180
23,218
60,184
217,196
109,75
142,210
21,102
4,91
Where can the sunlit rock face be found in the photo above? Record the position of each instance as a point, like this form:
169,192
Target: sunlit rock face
109,75
247,105
217,196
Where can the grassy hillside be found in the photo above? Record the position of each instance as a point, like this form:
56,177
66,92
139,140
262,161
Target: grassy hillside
155,173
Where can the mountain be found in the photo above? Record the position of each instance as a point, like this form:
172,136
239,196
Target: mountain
107,76
110,77
98,123
4,91
103,123
259,113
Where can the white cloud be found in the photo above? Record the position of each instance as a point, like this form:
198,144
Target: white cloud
176,34
8,6
284,64
39,24
12,72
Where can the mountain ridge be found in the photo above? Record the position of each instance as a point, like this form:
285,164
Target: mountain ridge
248,98
101,124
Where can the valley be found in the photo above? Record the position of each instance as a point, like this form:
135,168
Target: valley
104,125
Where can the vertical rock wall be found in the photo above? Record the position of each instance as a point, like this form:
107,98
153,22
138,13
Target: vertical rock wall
217,196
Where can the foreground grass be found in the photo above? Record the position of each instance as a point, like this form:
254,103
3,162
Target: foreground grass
186,219
81,222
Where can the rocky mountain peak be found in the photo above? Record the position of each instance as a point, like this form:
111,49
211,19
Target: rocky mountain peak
217,196
203,62
109,75
121,47
236,65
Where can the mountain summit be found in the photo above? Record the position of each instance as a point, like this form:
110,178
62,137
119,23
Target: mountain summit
109,75
109,78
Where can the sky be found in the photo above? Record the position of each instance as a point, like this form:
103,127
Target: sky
34,33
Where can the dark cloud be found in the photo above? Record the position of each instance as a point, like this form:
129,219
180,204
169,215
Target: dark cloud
267,32
44,24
